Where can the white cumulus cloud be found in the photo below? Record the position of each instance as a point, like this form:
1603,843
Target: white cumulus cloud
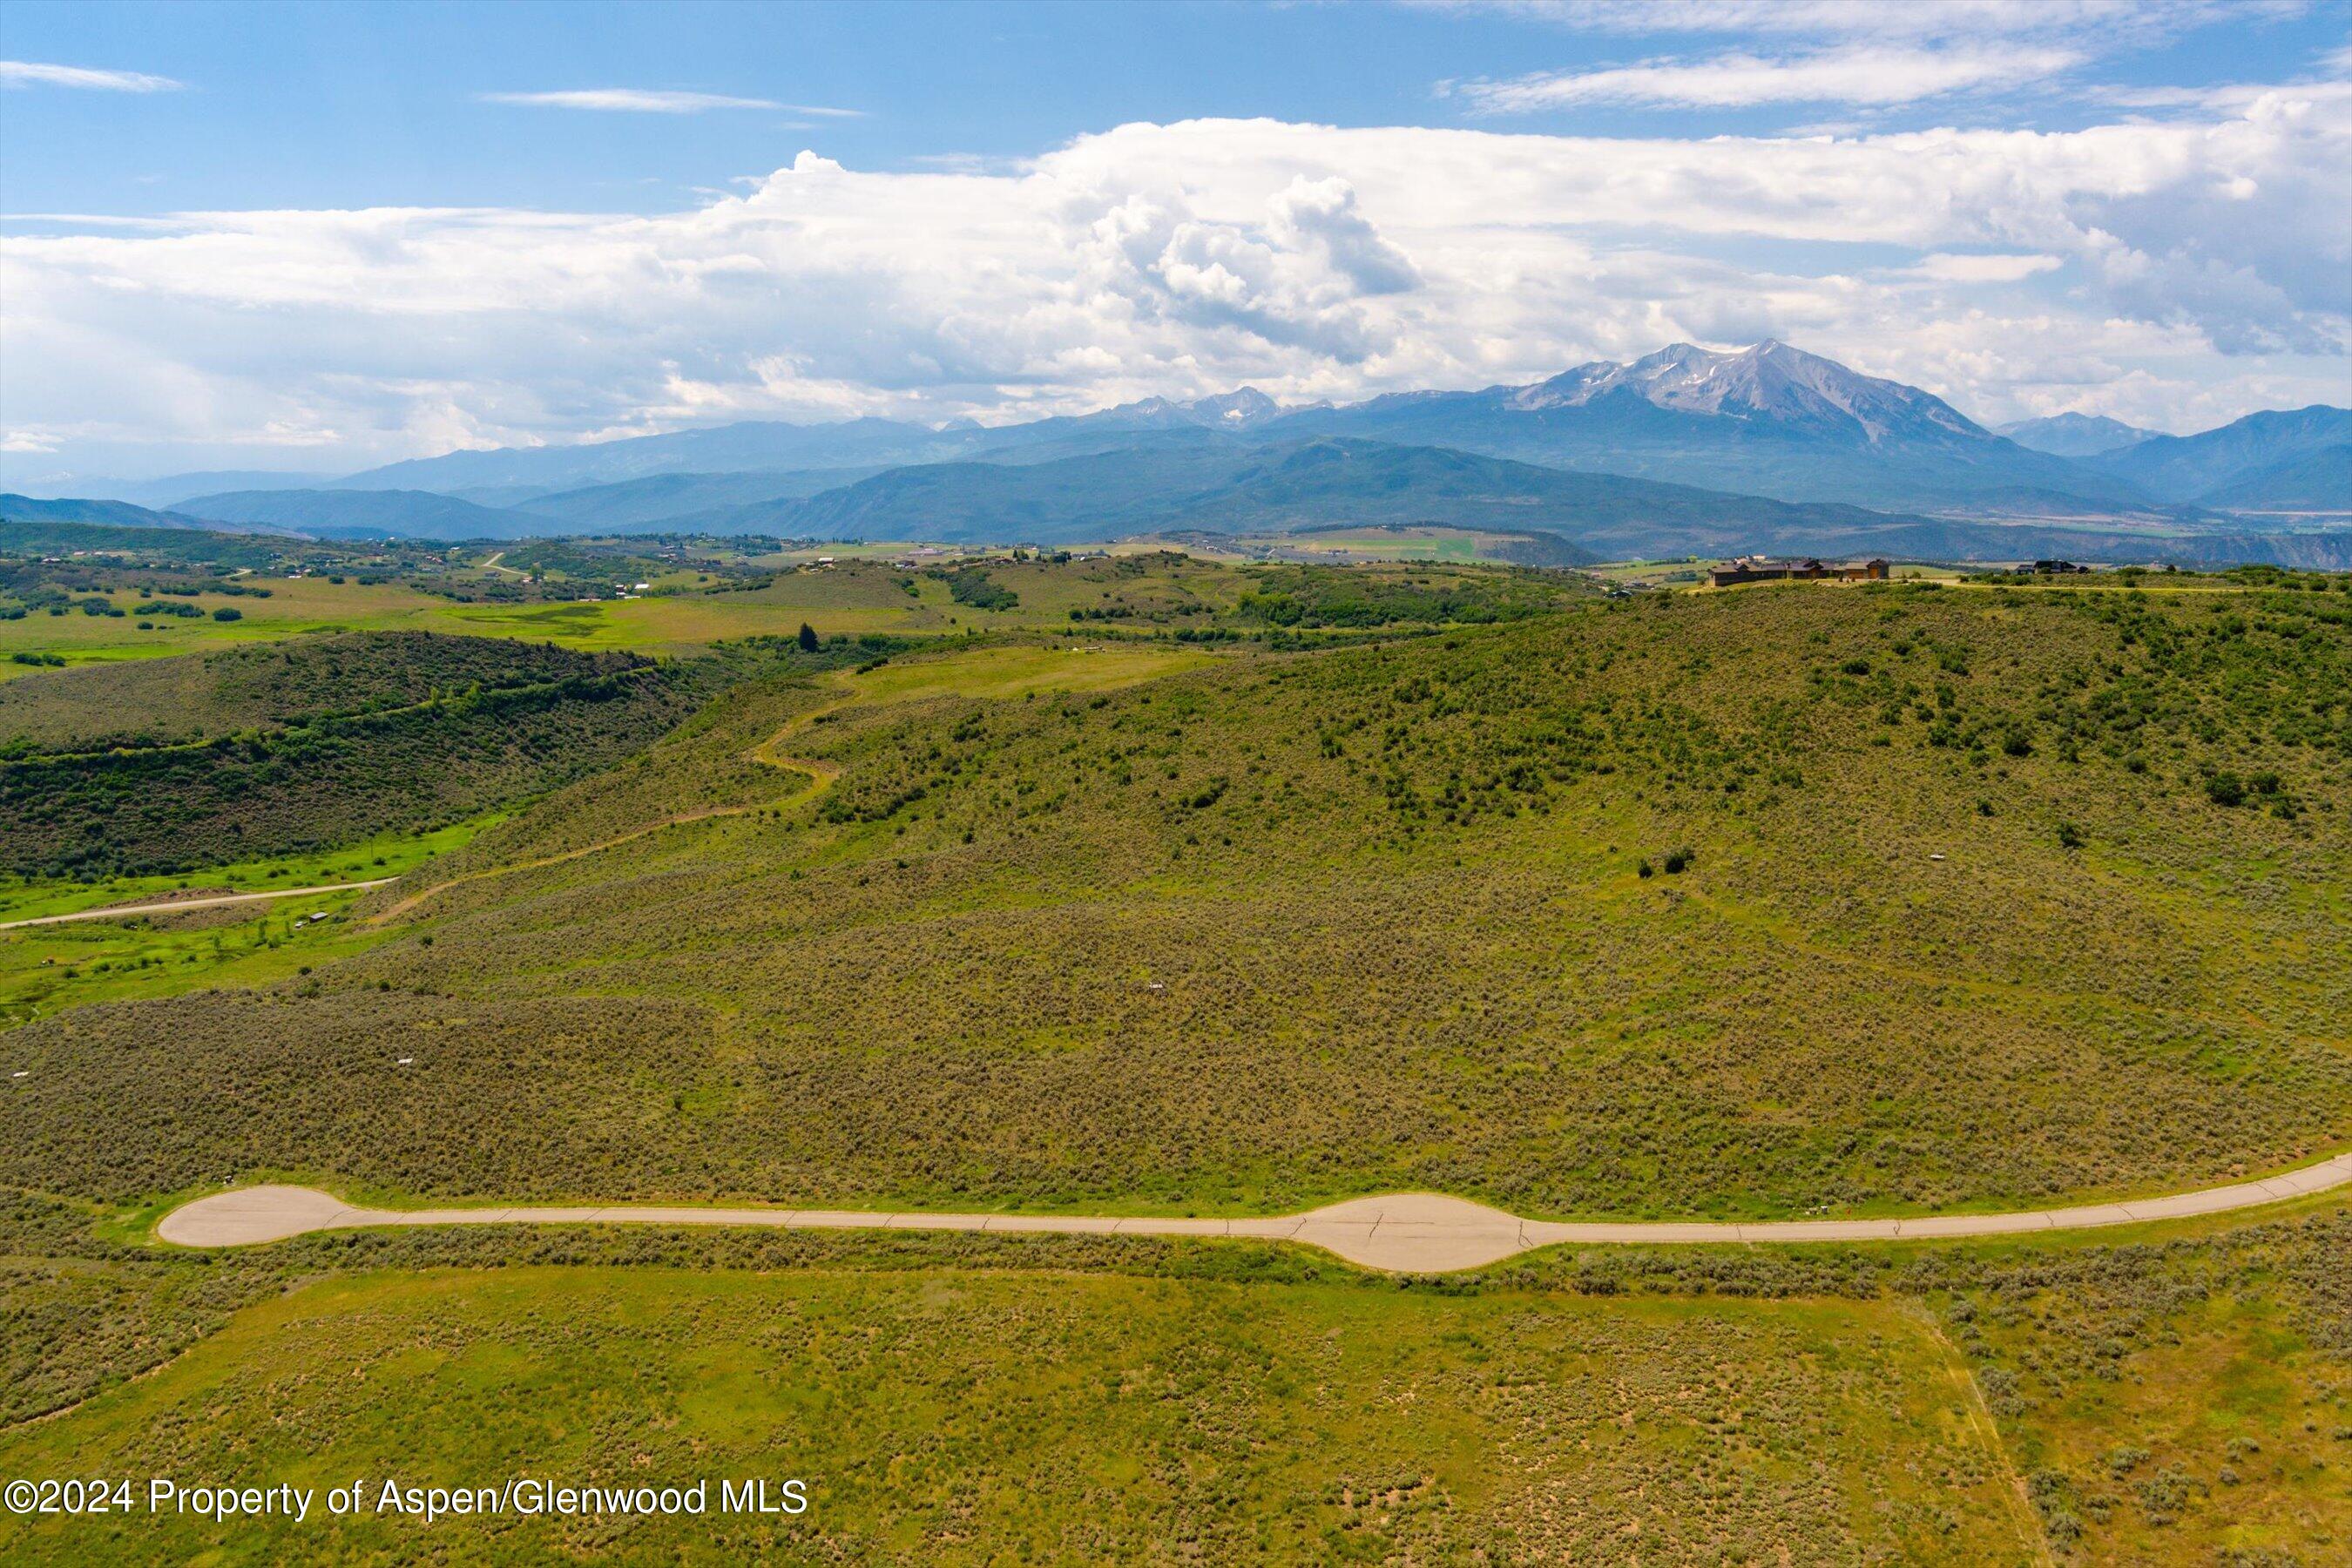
2199,264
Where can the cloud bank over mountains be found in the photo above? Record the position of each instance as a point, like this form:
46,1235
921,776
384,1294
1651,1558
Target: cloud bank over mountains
2173,271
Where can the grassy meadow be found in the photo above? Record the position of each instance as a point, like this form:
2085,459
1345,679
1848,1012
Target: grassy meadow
1067,1419
45,969
383,855
1150,884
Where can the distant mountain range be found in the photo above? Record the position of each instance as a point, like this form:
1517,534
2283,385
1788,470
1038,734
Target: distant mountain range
1212,486
2277,460
671,499
163,493
108,513
420,513
717,450
2073,434
1192,479
1770,420
1765,447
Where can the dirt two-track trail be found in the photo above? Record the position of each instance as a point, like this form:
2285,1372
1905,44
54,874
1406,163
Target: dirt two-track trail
821,773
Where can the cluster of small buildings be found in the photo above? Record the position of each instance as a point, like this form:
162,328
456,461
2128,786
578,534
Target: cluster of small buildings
1767,568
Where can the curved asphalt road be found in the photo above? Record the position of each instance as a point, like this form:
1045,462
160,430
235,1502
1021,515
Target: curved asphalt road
1417,1233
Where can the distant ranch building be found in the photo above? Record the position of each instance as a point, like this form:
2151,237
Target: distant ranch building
1765,569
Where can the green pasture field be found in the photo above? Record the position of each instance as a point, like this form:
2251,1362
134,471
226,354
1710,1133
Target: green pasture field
878,549
945,1417
295,605
299,607
387,855
664,623
45,969
1012,670
2177,1393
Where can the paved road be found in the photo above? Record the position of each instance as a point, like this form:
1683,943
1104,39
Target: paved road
1418,1233
172,906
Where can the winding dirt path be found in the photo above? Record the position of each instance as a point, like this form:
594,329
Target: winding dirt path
1416,1233
172,906
821,773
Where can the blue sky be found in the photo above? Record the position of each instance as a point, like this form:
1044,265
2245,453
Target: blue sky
233,234
294,105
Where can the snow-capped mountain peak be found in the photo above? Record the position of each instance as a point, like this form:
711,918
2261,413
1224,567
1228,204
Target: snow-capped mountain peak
1237,410
1767,384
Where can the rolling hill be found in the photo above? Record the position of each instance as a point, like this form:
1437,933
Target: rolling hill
1794,901
748,446
164,764
1392,894
680,501
1211,486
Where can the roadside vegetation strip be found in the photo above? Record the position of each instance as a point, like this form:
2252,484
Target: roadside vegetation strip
173,906
1419,1233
